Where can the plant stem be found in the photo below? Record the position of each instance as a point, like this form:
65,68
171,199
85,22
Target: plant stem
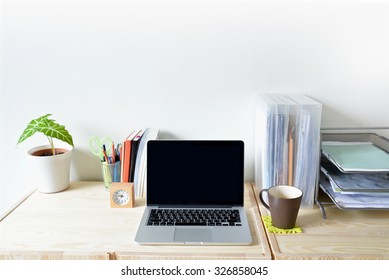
51,144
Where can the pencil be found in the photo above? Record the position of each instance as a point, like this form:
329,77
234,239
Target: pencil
113,153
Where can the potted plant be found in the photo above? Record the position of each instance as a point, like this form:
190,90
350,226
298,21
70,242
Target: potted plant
51,165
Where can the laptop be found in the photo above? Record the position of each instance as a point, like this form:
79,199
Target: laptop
195,194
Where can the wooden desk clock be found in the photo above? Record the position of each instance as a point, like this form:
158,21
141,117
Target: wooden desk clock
122,195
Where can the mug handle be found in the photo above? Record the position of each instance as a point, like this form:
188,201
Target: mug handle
262,200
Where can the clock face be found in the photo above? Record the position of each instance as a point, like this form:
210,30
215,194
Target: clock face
121,197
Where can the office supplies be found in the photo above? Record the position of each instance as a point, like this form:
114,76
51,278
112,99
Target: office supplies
126,157
106,158
122,195
194,193
118,152
111,173
130,150
287,143
290,156
134,152
141,161
363,182
363,200
96,146
113,153
348,175
356,156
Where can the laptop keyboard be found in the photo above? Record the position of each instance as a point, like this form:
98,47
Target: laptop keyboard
194,217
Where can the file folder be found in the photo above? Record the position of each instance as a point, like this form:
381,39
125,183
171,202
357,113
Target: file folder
287,143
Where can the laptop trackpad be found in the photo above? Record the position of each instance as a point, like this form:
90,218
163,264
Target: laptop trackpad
196,235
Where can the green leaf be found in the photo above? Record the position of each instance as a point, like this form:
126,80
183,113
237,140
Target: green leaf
48,127
52,129
32,128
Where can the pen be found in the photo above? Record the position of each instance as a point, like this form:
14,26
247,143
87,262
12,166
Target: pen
105,154
118,152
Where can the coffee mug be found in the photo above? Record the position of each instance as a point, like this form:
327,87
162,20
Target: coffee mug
284,205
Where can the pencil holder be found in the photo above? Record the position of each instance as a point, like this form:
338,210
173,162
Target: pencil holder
111,173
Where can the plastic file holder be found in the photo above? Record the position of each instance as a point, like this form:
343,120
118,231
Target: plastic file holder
287,143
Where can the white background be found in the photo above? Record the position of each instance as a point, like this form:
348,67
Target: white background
190,68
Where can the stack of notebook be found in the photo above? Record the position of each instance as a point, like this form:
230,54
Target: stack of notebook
134,158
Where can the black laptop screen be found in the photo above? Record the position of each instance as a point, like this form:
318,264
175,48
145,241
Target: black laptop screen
183,172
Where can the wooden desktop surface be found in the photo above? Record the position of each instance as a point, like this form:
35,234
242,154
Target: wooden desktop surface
78,223
351,234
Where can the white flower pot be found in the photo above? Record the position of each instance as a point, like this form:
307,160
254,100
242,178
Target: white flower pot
51,174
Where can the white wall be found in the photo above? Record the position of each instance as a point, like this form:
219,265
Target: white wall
190,68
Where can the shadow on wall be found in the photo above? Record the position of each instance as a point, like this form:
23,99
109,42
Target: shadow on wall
332,118
85,166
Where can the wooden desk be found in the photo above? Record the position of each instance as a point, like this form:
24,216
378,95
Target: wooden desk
79,224
343,235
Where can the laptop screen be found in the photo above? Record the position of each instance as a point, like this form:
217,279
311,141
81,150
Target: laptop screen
203,172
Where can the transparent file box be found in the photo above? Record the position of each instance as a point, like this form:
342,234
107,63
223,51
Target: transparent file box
287,143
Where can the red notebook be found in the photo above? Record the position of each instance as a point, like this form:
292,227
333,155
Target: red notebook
126,157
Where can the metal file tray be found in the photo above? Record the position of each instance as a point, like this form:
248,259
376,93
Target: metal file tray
369,154
376,139
360,195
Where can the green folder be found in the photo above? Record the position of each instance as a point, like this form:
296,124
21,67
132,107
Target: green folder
356,157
